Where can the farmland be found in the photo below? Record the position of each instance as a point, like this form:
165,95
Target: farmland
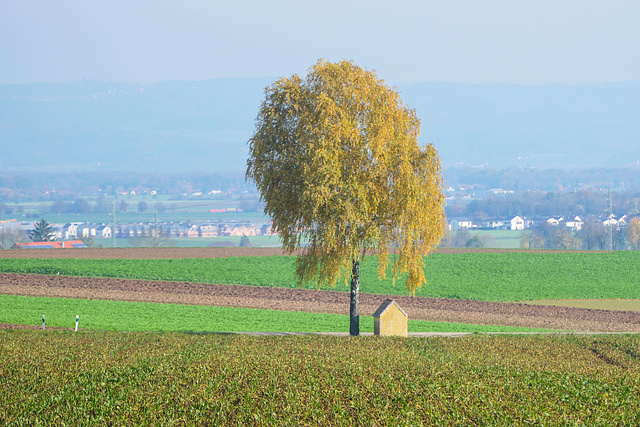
137,316
482,276
474,285
270,299
53,378
149,378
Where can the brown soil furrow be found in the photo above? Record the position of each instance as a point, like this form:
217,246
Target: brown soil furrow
420,308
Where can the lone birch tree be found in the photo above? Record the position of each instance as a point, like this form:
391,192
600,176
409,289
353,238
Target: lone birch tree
336,159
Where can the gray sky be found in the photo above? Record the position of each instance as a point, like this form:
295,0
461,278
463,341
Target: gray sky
146,41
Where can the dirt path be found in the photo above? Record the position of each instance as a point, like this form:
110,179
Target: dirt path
420,308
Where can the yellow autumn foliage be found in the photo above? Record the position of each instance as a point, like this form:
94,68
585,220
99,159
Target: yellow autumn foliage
336,159
633,233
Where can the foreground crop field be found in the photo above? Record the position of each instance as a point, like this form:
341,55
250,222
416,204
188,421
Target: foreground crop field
56,378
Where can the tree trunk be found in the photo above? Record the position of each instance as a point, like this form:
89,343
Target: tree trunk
354,313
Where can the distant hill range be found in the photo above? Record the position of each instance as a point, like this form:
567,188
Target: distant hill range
204,126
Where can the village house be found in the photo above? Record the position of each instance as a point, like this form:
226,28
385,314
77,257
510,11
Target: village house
224,230
104,232
516,223
70,230
574,224
133,230
622,221
171,230
456,224
498,224
192,231
532,222
208,230
266,230
555,221
86,230
243,230
611,222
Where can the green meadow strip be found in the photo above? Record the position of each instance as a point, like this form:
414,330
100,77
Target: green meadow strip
507,276
137,316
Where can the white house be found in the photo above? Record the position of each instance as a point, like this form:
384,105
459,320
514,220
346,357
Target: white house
555,221
104,231
574,224
498,224
457,224
86,230
610,222
70,230
517,223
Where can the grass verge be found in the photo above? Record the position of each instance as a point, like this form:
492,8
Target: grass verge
138,316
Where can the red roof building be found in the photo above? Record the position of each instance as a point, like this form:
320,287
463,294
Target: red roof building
72,244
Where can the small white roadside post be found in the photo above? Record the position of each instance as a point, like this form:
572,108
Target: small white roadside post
77,319
43,322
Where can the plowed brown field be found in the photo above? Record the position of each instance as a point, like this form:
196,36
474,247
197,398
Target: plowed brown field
420,308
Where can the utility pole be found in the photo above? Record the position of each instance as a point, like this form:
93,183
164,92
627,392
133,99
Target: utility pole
610,219
155,235
113,225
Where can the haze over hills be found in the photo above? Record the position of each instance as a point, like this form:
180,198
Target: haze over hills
204,126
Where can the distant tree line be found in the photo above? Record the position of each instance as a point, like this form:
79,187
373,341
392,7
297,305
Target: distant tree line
9,236
102,204
555,180
49,186
593,235
45,186
533,204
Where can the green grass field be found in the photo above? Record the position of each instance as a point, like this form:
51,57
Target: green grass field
175,210
505,239
66,378
201,242
508,276
137,316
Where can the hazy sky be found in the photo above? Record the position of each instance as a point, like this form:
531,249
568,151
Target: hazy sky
146,41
